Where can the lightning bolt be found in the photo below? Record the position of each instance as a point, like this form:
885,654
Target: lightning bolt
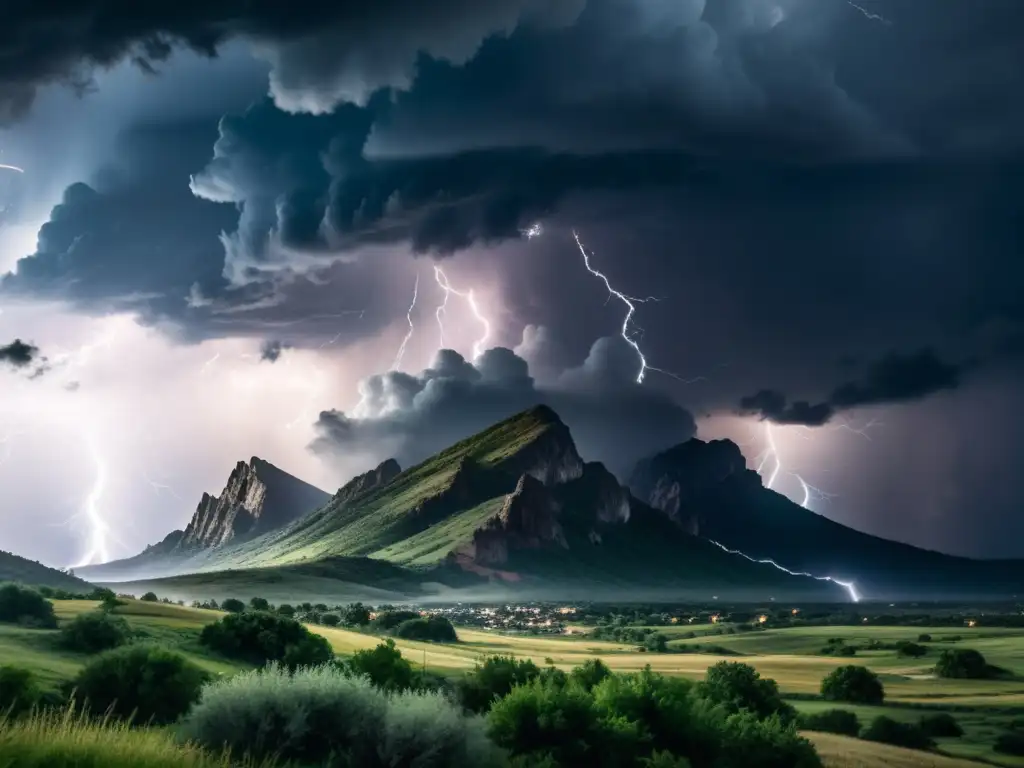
868,14
12,168
442,280
532,231
630,330
408,316
849,586
98,551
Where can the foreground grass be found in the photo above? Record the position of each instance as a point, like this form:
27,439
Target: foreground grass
69,740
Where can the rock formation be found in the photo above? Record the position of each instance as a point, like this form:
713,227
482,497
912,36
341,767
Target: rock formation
381,475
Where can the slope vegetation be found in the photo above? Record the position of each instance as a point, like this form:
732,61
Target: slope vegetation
15,568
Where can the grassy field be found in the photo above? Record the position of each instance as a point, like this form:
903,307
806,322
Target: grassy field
984,708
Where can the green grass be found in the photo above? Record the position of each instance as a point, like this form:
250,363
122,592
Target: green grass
69,740
25,571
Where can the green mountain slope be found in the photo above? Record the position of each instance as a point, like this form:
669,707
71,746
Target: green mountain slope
15,568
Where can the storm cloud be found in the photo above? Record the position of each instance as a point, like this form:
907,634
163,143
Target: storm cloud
18,354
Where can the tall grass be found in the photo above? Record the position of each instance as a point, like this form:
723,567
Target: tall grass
70,739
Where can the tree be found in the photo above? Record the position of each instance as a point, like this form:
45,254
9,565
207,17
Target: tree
286,610
739,686
330,620
941,726
259,604
590,673
857,685
94,632
831,721
150,597
23,605
356,615
888,731
261,637
913,650
962,663
384,666
231,605
493,679
431,628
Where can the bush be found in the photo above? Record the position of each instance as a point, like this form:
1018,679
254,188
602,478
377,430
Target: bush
262,637
23,605
436,629
19,691
857,685
739,686
320,716
231,605
590,673
150,597
94,632
913,650
356,615
924,638
330,619
384,666
286,610
1010,743
941,726
493,679
888,731
259,604
388,620
962,663
145,682
830,721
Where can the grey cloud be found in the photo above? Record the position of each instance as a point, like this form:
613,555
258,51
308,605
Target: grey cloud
413,416
271,350
18,354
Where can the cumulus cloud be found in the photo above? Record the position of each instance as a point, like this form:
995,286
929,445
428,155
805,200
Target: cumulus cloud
411,417
894,378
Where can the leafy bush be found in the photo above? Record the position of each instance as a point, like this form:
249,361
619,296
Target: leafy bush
590,673
839,650
924,638
261,637
150,597
23,605
19,690
857,685
319,716
231,605
330,619
388,620
888,731
68,739
913,650
962,663
286,610
830,721
356,615
433,628
148,683
941,726
492,679
739,686
259,604
1010,743
94,632
384,666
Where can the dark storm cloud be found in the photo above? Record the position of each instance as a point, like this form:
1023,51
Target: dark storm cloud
321,53
271,350
411,417
18,353
895,378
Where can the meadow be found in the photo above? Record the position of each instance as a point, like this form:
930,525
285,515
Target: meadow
791,656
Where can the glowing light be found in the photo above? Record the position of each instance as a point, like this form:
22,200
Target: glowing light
532,231
442,280
12,168
849,586
629,328
408,316
208,363
771,456
98,551
762,619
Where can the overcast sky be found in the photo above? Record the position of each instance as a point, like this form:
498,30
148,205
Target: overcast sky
226,210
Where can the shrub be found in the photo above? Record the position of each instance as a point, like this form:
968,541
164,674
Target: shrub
150,597
857,685
94,632
145,682
941,726
356,615
384,666
259,604
387,620
433,628
831,721
286,610
320,716
590,673
913,650
231,605
924,638
19,691
739,686
493,679
330,619
23,605
888,731
744,741
261,637
1010,743
962,663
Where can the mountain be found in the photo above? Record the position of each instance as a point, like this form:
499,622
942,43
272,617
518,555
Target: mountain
514,507
20,569
706,489
258,498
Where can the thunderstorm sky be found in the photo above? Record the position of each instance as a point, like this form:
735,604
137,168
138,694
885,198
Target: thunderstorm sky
238,230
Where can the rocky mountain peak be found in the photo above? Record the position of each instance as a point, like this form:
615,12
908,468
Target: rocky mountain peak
551,456
381,475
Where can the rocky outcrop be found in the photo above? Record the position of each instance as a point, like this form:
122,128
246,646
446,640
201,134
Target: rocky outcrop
551,457
594,498
675,480
167,545
258,498
468,486
383,474
528,519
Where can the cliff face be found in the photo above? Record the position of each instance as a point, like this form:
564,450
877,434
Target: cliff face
258,498
381,475
551,458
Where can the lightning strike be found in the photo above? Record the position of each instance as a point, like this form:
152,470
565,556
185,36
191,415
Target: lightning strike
11,168
98,551
532,231
208,363
408,316
868,14
442,280
849,586
630,330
